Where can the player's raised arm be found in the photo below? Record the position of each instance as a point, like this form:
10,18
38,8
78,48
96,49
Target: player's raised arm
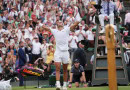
46,28
72,27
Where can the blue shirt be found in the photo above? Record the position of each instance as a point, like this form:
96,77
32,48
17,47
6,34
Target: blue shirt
104,9
15,51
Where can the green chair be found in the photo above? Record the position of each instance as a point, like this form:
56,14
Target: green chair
52,80
53,68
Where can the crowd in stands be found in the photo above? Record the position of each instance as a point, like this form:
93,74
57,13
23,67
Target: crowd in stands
23,21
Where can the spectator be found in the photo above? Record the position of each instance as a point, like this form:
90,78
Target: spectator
50,54
41,64
93,56
126,57
44,47
83,24
73,40
21,13
70,19
127,21
9,65
22,60
80,33
91,13
90,36
16,43
33,34
46,37
28,50
76,13
127,60
107,12
27,29
1,62
12,47
36,48
1,30
119,5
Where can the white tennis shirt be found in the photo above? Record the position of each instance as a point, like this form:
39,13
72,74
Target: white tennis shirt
62,38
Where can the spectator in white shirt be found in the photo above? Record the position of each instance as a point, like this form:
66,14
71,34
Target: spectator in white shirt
32,35
90,36
1,29
83,24
126,57
36,49
107,13
1,69
44,47
38,10
93,56
80,33
12,12
127,18
21,13
3,16
73,40
76,13
28,30
70,18
127,21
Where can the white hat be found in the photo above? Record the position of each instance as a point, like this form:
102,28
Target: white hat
1,41
80,24
36,37
45,33
50,44
30,19
27,37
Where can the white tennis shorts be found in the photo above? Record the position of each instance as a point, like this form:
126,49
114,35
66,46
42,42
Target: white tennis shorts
61,56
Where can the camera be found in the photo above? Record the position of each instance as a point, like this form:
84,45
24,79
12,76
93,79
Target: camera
41,60
52,61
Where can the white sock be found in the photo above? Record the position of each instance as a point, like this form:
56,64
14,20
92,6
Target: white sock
64,84
58,83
